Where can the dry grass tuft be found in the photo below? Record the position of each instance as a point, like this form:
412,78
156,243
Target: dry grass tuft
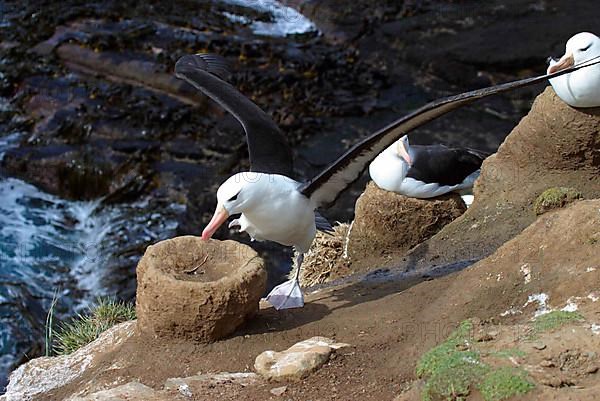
325,255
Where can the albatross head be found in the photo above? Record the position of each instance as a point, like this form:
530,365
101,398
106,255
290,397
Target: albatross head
403,149
233,196
580,48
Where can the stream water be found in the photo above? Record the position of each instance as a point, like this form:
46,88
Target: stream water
285,20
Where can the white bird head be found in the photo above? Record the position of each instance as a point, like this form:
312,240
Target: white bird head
580,48
233,196
403,149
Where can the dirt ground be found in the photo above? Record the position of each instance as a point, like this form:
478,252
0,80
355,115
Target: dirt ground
391,325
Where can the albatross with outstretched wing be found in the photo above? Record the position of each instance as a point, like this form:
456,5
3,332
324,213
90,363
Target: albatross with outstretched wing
275,207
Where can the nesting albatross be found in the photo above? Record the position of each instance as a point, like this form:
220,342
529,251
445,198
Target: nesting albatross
275,207
581,88
425,171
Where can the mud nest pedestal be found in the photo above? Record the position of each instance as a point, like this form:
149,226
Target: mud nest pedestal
390,223
201,290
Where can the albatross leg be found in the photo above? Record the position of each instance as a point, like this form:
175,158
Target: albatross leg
288,295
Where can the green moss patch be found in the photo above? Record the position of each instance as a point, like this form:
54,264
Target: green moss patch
454,377
84,329
434,359
554,198
554,320
504,383
454,368
509,353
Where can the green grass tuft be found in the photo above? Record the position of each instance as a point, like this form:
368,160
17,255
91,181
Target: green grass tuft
453,368
83,329
554,198
49,332
504,383
555,319
454,376
430,362
510,352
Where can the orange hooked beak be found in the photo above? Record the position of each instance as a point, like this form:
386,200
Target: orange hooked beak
566,61
218,218
403,153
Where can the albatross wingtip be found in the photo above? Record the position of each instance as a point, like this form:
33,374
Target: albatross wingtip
212,63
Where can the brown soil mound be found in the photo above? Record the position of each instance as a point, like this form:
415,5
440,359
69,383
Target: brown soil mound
552,265
197,289
387,223
555,145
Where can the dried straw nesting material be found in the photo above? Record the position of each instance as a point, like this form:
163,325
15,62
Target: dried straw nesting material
326,254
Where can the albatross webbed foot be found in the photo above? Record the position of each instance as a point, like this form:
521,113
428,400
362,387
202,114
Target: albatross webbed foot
289,294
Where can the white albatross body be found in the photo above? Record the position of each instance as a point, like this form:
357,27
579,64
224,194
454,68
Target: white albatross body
269,205
271,208
390,168
580,88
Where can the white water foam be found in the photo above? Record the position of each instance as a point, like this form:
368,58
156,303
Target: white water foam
286,20
49,245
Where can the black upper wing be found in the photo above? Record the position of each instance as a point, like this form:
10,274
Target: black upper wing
442,164
327,185
267,147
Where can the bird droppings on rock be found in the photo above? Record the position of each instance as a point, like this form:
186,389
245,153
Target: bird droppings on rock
298,361
176,297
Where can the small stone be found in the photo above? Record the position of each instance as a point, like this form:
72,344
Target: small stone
487,336
539,346
242,379
278,390
591,369
547,364
298,361
132,391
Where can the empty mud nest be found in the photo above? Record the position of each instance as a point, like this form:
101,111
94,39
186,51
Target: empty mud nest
202,290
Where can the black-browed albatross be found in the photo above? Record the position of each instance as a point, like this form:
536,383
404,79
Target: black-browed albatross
274,206
426,171
581,88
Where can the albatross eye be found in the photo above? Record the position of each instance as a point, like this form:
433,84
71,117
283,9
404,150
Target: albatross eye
234,197
585,48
